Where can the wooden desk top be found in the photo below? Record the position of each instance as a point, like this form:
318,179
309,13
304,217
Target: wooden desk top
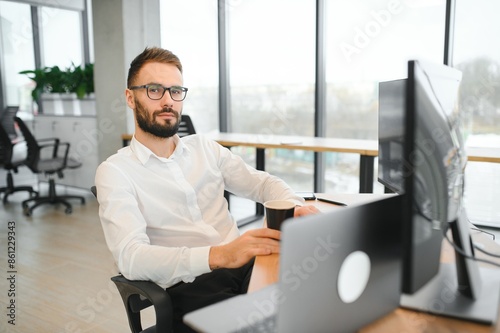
362,147
482,154
266,271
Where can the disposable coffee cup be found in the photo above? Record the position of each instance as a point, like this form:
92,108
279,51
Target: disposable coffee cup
278,211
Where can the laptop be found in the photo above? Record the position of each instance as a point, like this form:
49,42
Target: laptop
339,271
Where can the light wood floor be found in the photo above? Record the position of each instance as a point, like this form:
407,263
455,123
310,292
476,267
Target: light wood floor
63,271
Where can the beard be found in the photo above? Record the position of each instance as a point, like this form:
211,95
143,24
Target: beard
148,124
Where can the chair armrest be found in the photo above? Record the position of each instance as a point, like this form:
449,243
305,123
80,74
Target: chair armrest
153,294
47,139
55,144
55,152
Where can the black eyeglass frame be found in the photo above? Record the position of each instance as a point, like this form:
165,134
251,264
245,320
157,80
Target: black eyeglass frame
146,86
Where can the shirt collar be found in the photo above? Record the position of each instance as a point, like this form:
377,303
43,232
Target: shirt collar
143,153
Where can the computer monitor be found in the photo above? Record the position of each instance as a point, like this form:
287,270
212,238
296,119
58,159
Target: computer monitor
391,135
422,157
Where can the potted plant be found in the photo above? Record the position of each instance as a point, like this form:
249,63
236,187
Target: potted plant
81,80
39,76
54,85
82,84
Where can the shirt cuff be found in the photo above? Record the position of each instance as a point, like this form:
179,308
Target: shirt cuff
199,260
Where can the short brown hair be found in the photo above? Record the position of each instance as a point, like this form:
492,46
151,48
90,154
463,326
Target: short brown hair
153,54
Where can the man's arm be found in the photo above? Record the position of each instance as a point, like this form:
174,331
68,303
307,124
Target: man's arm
235,254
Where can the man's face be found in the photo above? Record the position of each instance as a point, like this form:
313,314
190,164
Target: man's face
160,118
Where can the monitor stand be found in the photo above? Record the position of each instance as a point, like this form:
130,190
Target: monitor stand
441,297
462,290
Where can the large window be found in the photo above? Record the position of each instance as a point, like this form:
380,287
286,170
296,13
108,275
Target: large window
56,40
60,27
17,53
478,57
477,54
272,72
368,42
271,62
189,29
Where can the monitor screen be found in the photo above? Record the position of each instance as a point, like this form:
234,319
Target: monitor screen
433,166
391,135
422,156
420,151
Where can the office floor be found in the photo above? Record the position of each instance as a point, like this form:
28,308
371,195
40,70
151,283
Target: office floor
63,268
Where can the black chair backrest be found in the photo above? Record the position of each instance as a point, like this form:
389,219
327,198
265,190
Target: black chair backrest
186,126
33,148
6,147
8,120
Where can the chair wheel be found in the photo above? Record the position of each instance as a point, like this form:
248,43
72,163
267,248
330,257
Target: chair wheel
27,211
68,211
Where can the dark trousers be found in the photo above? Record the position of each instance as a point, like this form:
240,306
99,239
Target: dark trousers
207,289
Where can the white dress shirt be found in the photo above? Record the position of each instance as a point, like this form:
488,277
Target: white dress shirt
160,216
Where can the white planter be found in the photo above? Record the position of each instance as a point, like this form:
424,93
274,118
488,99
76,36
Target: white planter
68,104
87,104
52,104
71,104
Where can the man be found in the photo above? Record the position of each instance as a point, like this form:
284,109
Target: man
161,200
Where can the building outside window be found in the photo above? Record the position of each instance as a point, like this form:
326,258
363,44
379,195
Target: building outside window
16,38
368,42
272,77
191,33
477,55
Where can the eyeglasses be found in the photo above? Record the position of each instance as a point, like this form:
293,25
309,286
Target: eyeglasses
156,91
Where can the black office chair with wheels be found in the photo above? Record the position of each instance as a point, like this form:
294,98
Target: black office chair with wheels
12,156
53,165
140,295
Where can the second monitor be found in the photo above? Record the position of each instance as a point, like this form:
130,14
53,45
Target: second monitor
422,157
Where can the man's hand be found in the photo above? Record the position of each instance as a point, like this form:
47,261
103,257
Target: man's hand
252,243
305,210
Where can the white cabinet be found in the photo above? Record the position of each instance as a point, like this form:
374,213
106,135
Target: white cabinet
81,133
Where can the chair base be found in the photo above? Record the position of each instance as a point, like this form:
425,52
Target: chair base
11,189
52,199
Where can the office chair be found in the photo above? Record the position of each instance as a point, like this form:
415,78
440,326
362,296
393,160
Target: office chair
10,159
186,127
7,121
140,295
55,164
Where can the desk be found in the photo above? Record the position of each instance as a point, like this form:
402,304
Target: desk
266,268
483,154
